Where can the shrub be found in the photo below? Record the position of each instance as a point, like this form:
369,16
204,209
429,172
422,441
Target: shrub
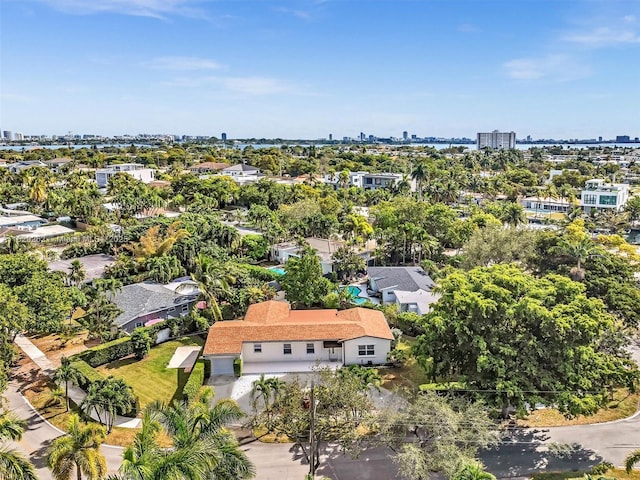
87,374
237,367
207,367
331,300
107,352
410,323
141,342
259,273
194,382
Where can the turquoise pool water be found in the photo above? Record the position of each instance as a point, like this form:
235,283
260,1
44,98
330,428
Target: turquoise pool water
356,291
278,270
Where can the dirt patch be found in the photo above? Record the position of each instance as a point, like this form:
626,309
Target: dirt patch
27,374
56,346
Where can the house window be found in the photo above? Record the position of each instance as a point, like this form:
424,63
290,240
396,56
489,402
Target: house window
138,324
311,349
589,199
185,308
287,349
366,350
608,199
257,348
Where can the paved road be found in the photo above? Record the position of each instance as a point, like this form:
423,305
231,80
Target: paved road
521,453
39,434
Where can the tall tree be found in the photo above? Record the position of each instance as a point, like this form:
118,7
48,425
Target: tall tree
303,283
212,280
13,466
66,373
446,434
78,450
512,337
77,273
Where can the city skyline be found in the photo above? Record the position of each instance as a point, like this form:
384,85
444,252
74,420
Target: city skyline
304,69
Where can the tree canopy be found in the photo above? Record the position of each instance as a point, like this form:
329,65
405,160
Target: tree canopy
513,338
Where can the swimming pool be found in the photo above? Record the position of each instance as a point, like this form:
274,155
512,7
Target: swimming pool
355,292
278,270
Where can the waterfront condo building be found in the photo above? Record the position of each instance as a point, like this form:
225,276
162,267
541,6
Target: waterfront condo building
496,140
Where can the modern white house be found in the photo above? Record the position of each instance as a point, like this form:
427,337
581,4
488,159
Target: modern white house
599,195
386,281
145,175
272,338
545,206
369,181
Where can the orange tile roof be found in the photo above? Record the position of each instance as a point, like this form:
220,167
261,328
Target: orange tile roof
274,321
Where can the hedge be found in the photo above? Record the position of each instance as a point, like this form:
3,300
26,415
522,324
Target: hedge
194,382
107,352
237,367
87,374
260,273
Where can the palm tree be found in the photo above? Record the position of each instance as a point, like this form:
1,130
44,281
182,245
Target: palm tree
631,460
261,390
513,214
202,445
579,250
78,450
472,470
13,466
66,373
211,279
109,396
420,174
77,273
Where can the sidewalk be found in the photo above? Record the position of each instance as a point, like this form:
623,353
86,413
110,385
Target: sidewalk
76,394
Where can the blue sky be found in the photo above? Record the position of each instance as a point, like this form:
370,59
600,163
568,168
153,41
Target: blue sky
307,68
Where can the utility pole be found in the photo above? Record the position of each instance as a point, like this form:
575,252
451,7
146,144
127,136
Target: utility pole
312,439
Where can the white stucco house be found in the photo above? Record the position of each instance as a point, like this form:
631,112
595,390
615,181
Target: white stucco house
274,336
600,195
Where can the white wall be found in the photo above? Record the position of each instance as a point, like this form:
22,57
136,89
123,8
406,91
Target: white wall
351,356
274,352
388,296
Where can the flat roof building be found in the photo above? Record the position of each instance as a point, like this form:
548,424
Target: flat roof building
496,140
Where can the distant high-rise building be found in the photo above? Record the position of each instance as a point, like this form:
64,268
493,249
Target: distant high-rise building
7,135
496,140
330,136
371,138
414,136
600,138
405,135
528,138
362,137
18,136
623,139
223,135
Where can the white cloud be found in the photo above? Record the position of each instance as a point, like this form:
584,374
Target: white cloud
604,36
144,8
255,85
559,68
245,86
182,63
301,14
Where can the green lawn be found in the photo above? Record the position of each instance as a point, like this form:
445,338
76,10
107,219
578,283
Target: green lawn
150,378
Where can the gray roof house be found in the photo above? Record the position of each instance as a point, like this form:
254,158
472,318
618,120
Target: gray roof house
387,280
141,303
